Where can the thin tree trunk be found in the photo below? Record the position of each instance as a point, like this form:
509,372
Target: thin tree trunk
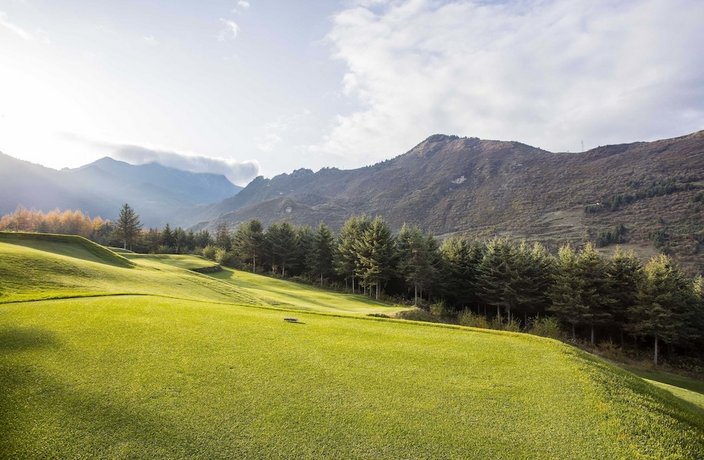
592,332
254,263
655,357
321,279
415,294
377,289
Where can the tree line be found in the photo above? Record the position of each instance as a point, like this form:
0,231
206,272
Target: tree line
592,296
513,284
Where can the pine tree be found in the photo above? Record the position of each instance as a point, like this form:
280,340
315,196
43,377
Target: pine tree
461,260
249,242
596,289
375,251
667,307
566,292
626,272
416,256
128,225
223,239
496,276
303,248
347,260
320,259
203,239
532,271
281,239
181,240
167,237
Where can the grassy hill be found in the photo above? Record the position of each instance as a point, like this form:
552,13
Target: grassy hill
184,365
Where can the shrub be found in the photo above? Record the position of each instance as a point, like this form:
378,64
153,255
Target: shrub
546,327
615,235
512,326
162,249
438,309
611,351
416,314
467,318
209,252
378,315
226,258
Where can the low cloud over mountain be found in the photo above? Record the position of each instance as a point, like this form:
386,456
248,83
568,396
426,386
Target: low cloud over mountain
238,172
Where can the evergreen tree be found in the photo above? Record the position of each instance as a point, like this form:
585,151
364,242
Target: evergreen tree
223,240
151,240
415,258
249,242
347,259
596,289
566,292
167,237
203,239
180,240
667,307
461,259
375,251
496,276
626,272
128,226
281,239
532,272
304,248
321,256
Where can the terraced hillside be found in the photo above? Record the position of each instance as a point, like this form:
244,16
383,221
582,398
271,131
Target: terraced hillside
150,360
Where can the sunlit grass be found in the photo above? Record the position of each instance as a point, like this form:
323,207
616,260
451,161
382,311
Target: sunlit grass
201,367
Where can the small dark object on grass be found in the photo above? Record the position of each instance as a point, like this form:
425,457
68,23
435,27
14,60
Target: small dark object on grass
291,320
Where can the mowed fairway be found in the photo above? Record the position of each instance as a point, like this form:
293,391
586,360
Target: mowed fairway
176,372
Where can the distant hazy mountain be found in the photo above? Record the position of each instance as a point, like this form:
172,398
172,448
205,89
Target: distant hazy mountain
452,185
159,194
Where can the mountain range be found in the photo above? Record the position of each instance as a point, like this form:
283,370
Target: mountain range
643,195
648,196
160,194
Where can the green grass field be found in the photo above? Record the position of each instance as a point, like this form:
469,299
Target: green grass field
175,260
184,365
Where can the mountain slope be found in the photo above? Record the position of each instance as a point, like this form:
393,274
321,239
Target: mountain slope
448,184
158,193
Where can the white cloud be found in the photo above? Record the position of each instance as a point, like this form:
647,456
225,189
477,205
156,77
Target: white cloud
150,40
274,131
230,30
238,172
545,72
14,28
268,142
244,4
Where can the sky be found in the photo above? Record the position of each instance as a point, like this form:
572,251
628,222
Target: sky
259,87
